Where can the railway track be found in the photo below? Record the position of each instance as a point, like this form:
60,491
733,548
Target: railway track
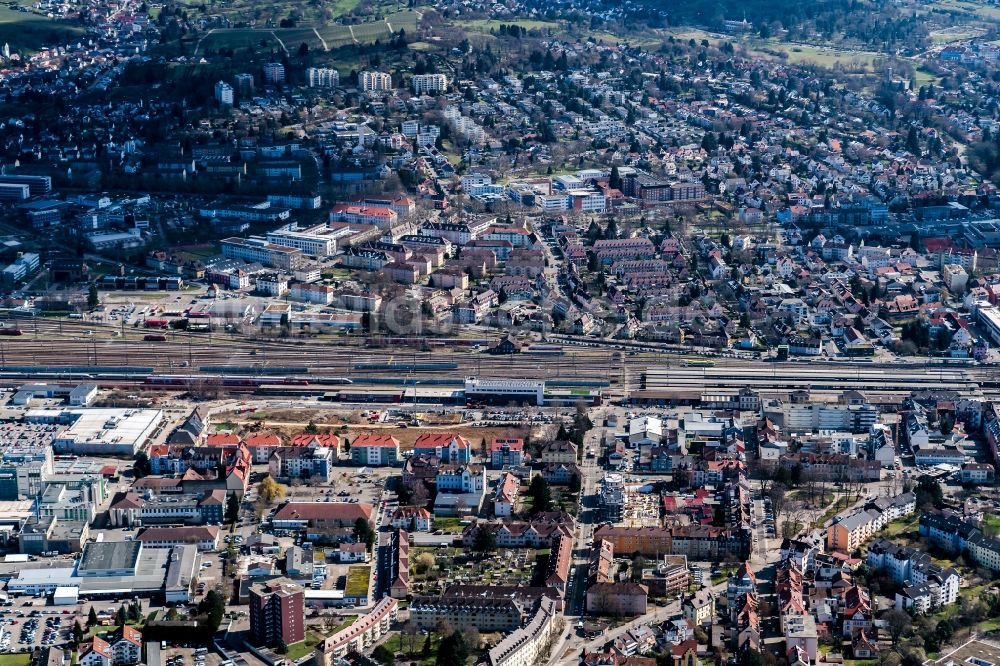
57,343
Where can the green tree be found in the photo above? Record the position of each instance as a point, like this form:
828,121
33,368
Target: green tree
141,466
453,650
709,142
574,483
383,655
540,493
121,617
929,493
93,300
213,607
77,632
232,508
363,532
92,618
270,490
615,181
485,541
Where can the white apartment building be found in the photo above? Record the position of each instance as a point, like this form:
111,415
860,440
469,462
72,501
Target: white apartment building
429,83
322,77
375,81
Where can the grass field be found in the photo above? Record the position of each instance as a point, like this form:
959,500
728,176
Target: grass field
955,34
321,38
991,525
489,25
971,8
824,57
30,32
17,659
298,650
797,53
396,643
448,525
357,581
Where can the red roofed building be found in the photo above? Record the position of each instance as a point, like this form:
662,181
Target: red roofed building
363,214
317,441
262,445
506,495
126,646
95,652
375,449
451,448
412,518
296,515
685,653
223,439
505,451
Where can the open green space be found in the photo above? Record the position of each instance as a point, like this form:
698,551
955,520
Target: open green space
30,32
991,524
305,647
357,581
348,620
397,643
489,25
448,525
955,34
16,659
298,650
328,36
972,8
838,506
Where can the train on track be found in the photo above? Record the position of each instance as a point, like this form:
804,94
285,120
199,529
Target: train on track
221,380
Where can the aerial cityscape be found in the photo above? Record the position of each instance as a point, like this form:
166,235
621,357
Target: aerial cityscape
461,333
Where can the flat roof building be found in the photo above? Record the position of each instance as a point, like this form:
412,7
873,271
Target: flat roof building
103,431
109,558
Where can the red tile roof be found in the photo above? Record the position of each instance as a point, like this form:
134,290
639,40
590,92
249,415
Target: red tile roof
372,439
432,440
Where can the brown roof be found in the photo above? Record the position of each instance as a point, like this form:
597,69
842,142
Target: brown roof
342,511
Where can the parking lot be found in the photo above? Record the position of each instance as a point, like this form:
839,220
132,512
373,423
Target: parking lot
27,628
182,655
